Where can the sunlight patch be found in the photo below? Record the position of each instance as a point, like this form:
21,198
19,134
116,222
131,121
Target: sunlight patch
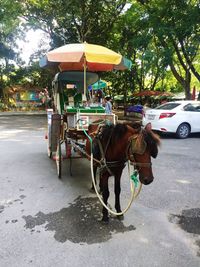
183,181
144,240
10,133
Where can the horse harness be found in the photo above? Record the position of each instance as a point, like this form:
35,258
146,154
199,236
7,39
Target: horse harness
136,145
104,164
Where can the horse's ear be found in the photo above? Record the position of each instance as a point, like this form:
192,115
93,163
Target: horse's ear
155,136
148,127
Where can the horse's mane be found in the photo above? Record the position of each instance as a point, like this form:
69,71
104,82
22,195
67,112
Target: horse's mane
113,133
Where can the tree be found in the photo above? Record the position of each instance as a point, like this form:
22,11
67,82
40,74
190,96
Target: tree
9,23
177,35
74,20
132,37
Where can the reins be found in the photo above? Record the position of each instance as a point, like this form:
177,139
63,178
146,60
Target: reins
133,178
133,194
105,164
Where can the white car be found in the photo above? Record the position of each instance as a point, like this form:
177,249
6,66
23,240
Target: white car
179,117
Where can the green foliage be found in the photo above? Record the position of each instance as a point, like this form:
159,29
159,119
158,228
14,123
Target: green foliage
9,23
74,20
161,37
176,25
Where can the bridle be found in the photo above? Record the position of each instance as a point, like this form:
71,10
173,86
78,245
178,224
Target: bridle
132,150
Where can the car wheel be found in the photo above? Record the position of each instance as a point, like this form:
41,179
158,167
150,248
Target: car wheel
183,130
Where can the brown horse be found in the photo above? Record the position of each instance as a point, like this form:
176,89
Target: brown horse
112,146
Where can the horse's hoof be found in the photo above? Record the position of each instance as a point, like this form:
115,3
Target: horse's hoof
105,220
100,192
91,190
120,217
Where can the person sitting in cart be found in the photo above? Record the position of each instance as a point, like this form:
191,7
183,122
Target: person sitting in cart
108,105
99,96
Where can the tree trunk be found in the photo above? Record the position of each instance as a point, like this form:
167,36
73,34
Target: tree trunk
184,82
187,85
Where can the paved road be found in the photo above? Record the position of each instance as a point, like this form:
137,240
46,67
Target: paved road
49,222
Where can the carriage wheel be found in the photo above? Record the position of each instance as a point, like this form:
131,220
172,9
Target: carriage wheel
49,152
59,159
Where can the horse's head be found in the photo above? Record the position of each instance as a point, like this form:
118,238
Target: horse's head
143,145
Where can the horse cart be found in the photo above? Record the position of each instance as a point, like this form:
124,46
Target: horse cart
70,118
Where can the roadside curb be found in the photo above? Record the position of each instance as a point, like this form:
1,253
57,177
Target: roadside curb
21,113
44,113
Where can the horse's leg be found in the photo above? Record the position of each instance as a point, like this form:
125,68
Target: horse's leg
105,194
117,192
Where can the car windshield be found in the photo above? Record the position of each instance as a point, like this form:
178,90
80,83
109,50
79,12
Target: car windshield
168,106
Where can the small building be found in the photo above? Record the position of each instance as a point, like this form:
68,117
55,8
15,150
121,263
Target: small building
23,97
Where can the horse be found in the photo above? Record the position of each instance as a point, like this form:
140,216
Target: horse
114,145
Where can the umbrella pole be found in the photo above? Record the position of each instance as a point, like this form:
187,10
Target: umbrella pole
84,66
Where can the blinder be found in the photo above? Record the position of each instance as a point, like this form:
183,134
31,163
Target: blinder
138,144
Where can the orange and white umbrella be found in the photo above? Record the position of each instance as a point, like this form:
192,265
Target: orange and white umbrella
84,57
